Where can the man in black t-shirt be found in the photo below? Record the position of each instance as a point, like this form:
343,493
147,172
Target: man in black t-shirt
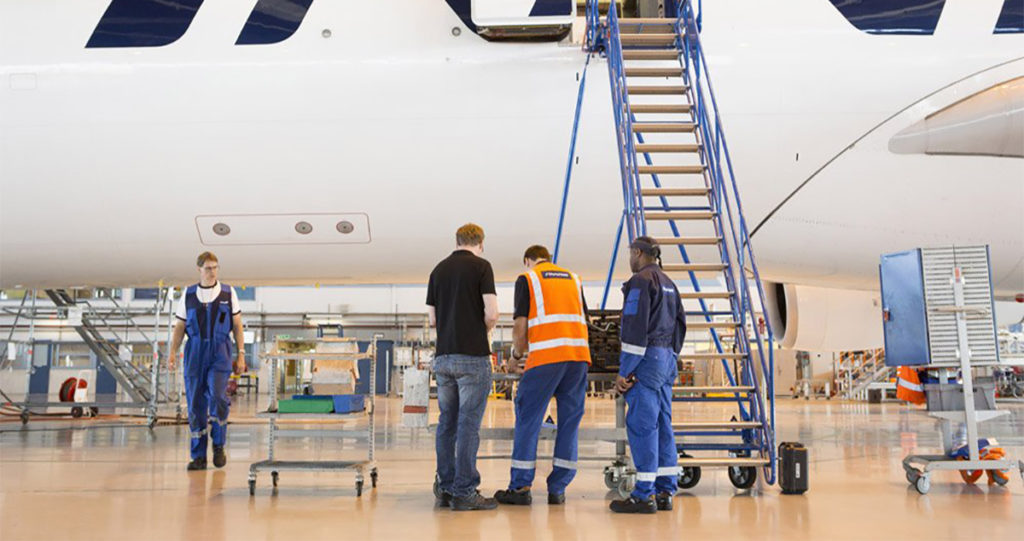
462,304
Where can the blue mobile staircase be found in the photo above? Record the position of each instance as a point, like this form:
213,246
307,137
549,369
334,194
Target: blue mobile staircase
678,186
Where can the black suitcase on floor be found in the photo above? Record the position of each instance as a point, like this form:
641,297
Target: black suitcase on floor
793,468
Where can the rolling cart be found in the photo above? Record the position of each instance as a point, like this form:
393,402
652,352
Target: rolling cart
362,468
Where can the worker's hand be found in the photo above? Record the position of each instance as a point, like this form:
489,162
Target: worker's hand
239,365
172,363
624,384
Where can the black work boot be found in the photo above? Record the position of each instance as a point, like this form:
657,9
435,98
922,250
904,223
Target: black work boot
445,500
474,502
634,505
664,501
556,499
219,458
197,464
519,496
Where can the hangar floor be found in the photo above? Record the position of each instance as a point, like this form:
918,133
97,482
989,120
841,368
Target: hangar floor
58,481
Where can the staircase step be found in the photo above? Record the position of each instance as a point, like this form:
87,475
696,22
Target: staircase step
670,169
655,90
654,72
661,108
712,356
675,241
723,462
647,39
666,54
674,192
711,425
635,21
680,215
663,127
705,325
738,389
693,295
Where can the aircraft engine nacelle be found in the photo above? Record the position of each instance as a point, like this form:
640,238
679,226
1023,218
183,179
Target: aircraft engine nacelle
824,319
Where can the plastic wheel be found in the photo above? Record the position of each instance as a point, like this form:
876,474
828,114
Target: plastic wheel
912,476
742,477
373,478
611,480
689,476
77,412
252,487
24,417
94,411
625,486
273,478
923,484
359,488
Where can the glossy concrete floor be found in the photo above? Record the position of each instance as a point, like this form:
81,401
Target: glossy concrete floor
60,480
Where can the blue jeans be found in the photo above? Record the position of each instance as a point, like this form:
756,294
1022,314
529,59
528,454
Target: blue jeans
463,384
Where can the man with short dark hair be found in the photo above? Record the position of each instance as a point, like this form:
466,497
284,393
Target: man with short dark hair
463,305
209,314
551,324
653,327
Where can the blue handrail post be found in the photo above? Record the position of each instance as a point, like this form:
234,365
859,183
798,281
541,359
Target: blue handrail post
572,155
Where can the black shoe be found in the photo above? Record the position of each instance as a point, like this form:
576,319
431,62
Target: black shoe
556,499
476,502
633,505
664,501
219,458
197,464
445,500
521,496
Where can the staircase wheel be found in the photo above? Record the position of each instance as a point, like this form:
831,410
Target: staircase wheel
689,476
742,477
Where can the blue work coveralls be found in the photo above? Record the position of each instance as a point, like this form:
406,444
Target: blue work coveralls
653,328
207,367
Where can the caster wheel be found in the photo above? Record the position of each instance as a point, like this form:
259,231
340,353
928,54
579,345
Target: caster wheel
359,488
94,411
373,478
923,484
611,479
252,487
689,477
77,412
625,486
152,424
273,478
24,417
912,476
742,477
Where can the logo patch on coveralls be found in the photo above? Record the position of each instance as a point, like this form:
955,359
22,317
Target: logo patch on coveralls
556,274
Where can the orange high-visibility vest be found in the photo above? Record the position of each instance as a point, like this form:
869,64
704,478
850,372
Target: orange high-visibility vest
557,326
908,386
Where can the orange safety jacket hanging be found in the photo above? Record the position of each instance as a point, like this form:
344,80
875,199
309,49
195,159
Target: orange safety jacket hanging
908,386
557,326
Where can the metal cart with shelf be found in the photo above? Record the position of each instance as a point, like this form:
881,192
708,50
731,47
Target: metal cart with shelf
362,468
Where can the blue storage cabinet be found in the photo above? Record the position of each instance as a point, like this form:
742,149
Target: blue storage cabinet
904,313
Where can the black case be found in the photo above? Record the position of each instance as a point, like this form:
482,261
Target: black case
793,468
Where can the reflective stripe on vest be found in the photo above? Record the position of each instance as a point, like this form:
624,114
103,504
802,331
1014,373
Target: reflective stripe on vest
557,327
908,386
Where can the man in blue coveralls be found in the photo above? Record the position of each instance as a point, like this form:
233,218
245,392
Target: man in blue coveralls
653,328
209,314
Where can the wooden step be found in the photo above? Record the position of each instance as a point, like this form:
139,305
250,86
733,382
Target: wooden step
666,54
670,169
655,90
738,389
638,108
633,21
722,462
679,215
706,325
694,267
711,356
654,72
713,425
647,39
693,295
675,241
674,192
663,127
